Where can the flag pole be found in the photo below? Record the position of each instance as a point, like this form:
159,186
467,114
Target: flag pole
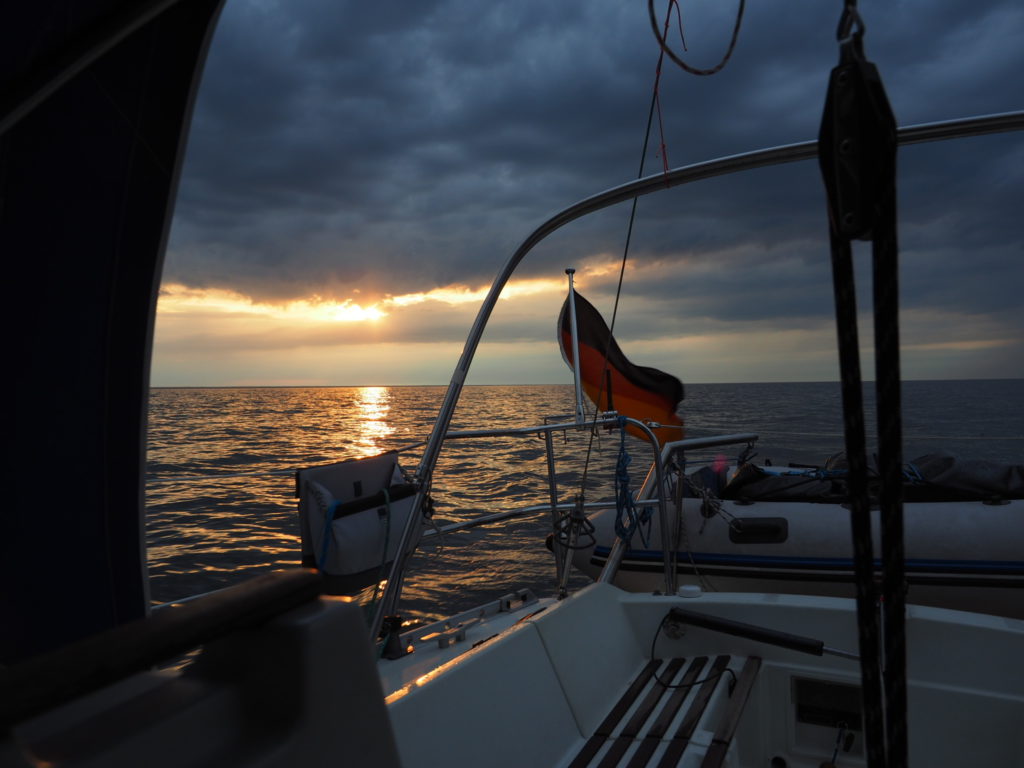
575,348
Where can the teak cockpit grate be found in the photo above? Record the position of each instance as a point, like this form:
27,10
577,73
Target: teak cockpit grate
653,702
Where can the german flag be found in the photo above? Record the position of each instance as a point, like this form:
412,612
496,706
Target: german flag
642,393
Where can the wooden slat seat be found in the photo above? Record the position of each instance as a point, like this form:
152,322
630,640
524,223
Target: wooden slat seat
629,733
660,706
604,730
715,755
681,738
660,727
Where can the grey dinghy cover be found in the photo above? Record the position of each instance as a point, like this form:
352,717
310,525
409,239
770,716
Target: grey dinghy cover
930,478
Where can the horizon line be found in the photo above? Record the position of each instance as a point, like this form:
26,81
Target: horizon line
540,384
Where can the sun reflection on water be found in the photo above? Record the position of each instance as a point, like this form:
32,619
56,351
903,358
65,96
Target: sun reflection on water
221,493
374,404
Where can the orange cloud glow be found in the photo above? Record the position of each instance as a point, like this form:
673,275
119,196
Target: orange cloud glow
180,300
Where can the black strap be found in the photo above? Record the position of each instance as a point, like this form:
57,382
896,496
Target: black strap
379,499
857,153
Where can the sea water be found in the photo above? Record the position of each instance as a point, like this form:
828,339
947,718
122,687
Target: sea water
220,493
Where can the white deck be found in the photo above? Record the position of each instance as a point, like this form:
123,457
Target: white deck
534,695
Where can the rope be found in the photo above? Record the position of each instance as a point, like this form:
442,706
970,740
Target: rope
568,530
683,537
663,44
563,530
655,104
860,520
627,520
857,152
890,466
655,107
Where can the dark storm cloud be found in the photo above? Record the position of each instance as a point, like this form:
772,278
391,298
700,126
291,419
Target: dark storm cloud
395,147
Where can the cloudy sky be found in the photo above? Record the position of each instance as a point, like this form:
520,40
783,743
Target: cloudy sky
357,173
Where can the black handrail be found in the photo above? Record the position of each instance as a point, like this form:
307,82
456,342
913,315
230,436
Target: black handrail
43,682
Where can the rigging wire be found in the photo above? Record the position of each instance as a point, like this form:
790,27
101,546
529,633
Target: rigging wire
682,534
655,105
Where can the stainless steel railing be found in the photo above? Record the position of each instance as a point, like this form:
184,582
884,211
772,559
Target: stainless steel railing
939,131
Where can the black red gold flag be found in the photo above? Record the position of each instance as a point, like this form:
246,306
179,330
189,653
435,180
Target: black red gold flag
611,381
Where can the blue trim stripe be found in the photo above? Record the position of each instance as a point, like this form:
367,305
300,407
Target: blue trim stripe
824,563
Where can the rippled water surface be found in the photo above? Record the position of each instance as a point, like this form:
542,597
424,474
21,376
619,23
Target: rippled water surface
220,490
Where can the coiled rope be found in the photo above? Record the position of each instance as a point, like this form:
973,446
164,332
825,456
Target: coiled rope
663,42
